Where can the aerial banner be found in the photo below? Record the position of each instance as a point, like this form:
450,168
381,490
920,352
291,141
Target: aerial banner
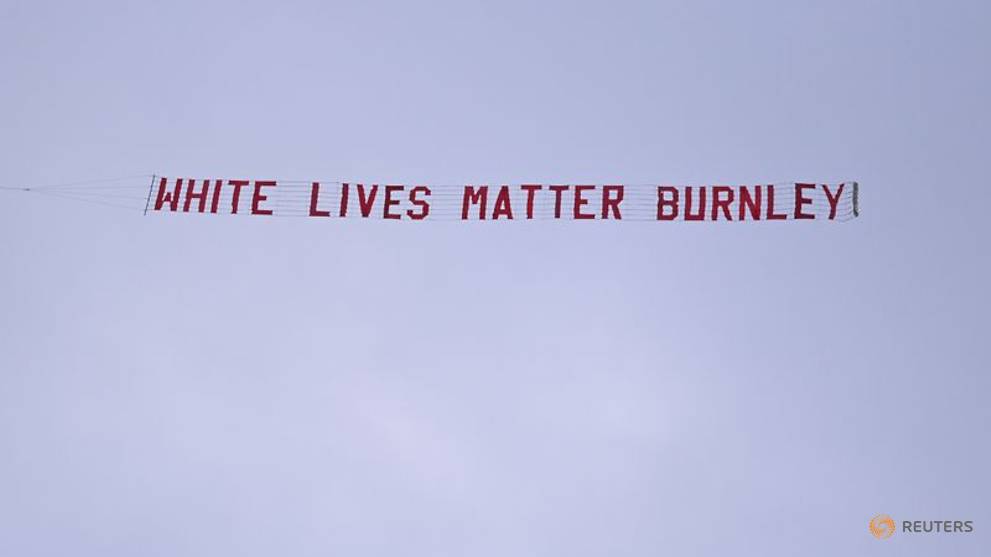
505,202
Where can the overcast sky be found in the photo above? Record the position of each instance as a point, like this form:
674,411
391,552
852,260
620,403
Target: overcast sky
211,385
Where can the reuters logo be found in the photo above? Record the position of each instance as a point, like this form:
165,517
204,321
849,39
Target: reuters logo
882,526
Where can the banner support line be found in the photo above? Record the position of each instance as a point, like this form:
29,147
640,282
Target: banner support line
856,199
148,201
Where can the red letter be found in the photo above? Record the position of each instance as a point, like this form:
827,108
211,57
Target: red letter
475,197
235,199
580,201
662,202
558,190
170,197
421,203
771,215
344,200
502,207
314,197
751,204
366,203
217,184
530,190
801,201
721,203
389,202
611,202
258,197
201,195
688,204
832,199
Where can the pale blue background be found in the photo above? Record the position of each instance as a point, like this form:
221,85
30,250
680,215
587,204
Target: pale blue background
239,386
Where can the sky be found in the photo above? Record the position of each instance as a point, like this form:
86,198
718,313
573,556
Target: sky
216,385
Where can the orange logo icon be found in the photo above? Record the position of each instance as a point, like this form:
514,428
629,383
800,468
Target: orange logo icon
882,526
